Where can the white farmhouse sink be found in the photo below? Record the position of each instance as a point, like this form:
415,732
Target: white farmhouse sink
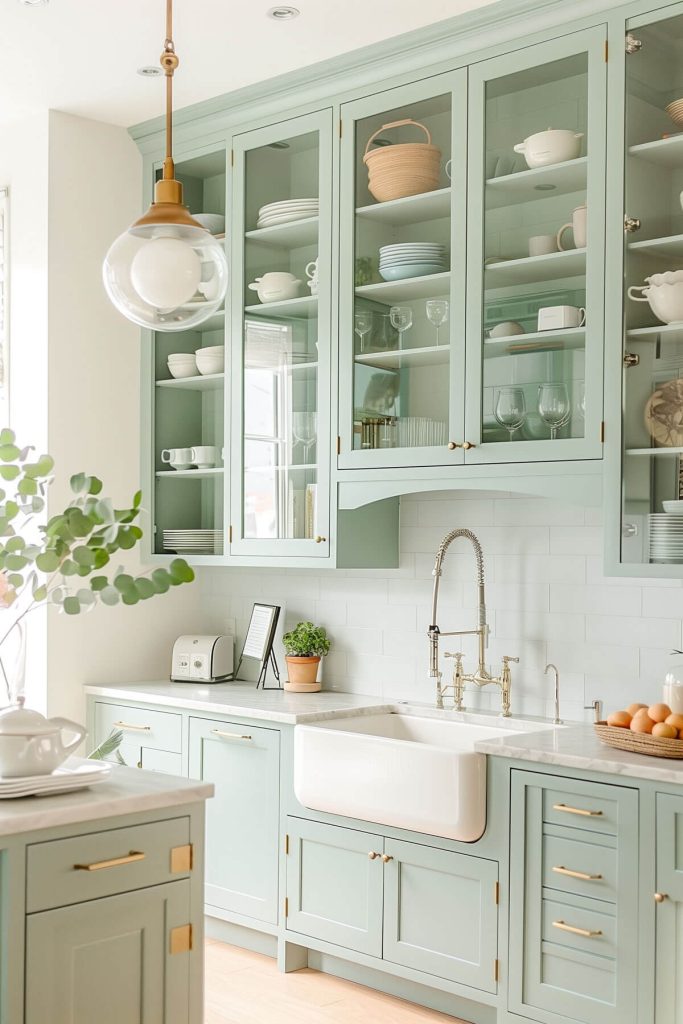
421,774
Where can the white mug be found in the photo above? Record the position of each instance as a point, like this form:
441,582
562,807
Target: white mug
449,164
312,270
578,226
557,318
177,458
542,245
204,456
672,693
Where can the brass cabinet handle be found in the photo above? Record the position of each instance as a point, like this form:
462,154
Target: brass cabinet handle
577,810
229,735
136,728
452,445
373,855
583,875
115,862
467,445
660,897
585,932
320,540
386,858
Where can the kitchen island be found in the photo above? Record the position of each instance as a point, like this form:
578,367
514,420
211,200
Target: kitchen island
102,902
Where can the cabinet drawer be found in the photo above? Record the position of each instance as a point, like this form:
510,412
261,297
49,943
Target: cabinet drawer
589,808
590,931
162,761
670,846
160,730
579,866
57,874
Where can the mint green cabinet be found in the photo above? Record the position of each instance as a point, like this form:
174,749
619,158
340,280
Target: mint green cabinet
669,910
441,913
573,947
152,739
334,885
242,826
110,960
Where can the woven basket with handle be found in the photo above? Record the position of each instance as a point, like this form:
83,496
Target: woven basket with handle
638,742
405,169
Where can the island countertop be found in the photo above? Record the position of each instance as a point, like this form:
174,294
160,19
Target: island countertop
126,791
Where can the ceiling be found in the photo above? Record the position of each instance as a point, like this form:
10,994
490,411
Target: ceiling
81,56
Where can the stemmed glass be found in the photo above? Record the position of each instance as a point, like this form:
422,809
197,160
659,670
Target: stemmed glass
305,430
554,406
437,313
362,325
510,409
401,320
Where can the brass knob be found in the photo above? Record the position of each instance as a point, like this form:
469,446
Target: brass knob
320,540
386,858
467,445
660,897
139,764
372,855
452,445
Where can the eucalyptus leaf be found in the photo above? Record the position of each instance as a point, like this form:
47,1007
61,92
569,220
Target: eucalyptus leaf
15,544
98,583
72,605
9,472
83,556
180,571
69,567
109,596
7,436
16,562
145,588
78,483
27,486
130,597
124,583
40,593
48,562
9,453
15,580
94,485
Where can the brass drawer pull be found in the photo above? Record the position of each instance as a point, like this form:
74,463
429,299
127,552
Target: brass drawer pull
660,897
583,875
373,855
584,932
115,862
320,540
229,735
577,810
136,728
386,858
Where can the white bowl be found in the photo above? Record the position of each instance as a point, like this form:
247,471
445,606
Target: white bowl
210,364
180,357
673,508
211,350
553,146
213,222
179,370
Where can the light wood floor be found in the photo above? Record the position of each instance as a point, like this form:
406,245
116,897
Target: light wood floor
247,988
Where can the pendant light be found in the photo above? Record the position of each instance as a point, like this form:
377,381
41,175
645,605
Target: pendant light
166,272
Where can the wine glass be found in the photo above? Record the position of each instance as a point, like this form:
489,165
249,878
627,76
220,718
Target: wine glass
401,320
510,409
554,406
362,325
437,313
305,429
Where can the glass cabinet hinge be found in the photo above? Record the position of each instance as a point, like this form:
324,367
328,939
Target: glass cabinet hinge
496,970
602,431
605,52
230,535
339,446
632,45
631,359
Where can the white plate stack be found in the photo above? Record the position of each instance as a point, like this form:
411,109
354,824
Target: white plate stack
420,432
193,542
286,211
412,259
666,537
75,773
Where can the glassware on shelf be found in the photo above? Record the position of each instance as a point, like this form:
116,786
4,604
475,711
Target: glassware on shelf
510,409
305,430
362,323
401,320
437,313
554,406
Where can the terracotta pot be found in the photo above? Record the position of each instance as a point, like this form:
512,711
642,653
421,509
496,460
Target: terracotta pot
302,674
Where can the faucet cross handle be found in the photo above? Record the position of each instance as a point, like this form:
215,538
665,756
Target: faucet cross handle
459,655
507,658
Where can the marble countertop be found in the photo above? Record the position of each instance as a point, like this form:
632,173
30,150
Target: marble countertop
126,791
242,699
577,746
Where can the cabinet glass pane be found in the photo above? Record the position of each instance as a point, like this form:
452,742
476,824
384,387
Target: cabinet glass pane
402,310
280,372
189,436
652,529
534,294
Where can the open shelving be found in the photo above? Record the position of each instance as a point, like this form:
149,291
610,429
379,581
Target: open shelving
186,474
664,152
409,288
396,359
294,235
302,308
206,382
536,269
537,183
416,209
535,342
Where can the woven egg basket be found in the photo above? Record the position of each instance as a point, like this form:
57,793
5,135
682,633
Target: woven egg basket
405,169
638,742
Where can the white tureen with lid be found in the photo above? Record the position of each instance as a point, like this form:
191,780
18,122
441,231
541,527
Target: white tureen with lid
31,744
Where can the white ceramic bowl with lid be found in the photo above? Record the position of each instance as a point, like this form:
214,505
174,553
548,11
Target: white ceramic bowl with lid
664,293
31,744
553,146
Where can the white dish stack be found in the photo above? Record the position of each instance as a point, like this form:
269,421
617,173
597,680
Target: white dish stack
193,542
665,537
287,210
75,773
412,259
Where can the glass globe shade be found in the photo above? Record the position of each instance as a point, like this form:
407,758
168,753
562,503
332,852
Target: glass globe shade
166,277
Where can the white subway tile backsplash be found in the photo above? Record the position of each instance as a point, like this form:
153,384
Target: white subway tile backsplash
547,600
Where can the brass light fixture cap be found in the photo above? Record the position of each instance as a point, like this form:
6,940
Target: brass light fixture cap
168,207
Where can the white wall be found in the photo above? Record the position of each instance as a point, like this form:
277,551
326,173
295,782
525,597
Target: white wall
548,600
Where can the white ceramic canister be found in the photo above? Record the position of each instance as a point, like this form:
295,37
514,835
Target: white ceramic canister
672,692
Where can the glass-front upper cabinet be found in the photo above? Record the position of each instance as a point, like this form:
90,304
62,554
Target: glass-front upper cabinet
281,318
535,299
402,275
185,427
652,400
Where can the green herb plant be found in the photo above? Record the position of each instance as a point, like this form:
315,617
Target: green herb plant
306,641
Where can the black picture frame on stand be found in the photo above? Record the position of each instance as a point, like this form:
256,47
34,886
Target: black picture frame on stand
258,643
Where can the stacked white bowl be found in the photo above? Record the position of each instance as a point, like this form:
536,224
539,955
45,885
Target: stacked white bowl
211,359
182,364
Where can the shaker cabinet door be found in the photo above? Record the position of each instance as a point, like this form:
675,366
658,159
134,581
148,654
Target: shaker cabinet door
669,910
109,961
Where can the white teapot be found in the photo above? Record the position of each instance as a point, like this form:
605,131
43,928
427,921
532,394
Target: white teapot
31,744
276,286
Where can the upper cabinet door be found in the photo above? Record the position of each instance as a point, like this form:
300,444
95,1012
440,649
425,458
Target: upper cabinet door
402,275
649,534
282,269
535,280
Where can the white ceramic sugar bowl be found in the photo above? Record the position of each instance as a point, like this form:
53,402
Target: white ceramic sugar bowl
31,744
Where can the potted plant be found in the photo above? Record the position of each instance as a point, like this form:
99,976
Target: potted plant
304,647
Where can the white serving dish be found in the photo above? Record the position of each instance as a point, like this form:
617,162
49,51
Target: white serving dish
213,222
673,508
421,774
553,146
31,744
75,773
664,293
275,287
405,272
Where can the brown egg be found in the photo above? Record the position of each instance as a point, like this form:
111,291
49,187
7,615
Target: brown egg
664,731
620,719
634,708
642,722
659,712
675,720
